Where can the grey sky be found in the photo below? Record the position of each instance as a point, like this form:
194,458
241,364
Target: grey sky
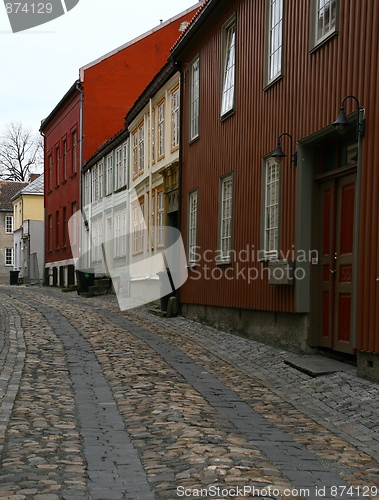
39,65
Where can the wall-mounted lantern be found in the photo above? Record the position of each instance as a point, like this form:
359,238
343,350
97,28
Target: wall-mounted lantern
279,154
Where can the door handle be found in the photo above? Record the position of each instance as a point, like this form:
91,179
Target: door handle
335,271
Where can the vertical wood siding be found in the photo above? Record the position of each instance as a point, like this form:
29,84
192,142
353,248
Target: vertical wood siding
305,100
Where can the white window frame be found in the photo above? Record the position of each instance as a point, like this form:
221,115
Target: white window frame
274,50
161,126
125,163
142,226
271,209
175,119
321,31
9,224
135,228
120,234
135,153
192,226
87,188
152,139
141,148
195,99
160,219
100,177
153,221
229,67
226,218
118,169
95,186
109,175
9,256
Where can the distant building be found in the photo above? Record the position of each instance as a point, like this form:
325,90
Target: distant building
7,190
92,112
29,241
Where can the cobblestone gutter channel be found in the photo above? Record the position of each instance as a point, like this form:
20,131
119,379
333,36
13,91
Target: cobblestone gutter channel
193,419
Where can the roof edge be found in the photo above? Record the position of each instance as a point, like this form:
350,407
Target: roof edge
68,94
199,19
135,40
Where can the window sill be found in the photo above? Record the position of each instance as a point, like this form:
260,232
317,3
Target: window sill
194,139
224,263
227,114
192,265
320,43
273,83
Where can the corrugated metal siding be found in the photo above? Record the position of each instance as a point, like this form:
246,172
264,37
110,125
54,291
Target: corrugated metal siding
305,100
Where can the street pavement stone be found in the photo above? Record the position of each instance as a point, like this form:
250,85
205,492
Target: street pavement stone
194,406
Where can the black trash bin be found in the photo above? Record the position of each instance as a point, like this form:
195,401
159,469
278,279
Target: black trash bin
13,278
164,285
85,279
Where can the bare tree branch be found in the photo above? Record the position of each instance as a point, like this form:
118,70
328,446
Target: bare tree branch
21,153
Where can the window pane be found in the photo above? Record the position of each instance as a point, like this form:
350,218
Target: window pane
192,240
226,217
271,208
275,39
229,70
194,106
325,18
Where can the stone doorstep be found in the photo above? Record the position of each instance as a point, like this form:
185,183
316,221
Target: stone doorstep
317,365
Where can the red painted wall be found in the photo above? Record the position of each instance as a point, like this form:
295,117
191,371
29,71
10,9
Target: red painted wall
306,100
112,85
63,192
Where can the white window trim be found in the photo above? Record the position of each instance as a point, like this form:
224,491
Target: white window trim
315,41
109,175
9,218
141,148
229,67
274,23
11,252
125,163
118,169
161,129
100,178
175,119
225,219
160,219
195,99
192,225
268,252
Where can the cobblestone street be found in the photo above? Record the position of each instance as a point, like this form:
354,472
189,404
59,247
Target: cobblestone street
102,404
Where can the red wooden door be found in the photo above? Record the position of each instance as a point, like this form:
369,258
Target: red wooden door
336,253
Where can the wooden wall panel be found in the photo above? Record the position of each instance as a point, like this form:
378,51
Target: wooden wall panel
305,100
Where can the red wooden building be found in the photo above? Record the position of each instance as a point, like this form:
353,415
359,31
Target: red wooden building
285,253
89,114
